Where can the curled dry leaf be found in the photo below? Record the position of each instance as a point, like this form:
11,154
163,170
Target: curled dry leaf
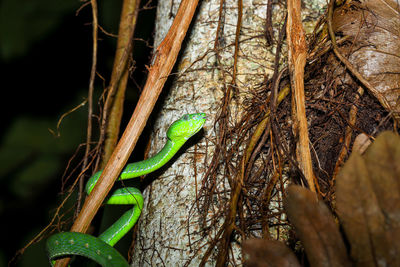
268,253
316,228
368,203
373,26
361,143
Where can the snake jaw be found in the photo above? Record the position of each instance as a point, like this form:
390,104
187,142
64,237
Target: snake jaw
201,118
187,126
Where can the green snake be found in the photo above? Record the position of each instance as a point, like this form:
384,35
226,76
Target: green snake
101,249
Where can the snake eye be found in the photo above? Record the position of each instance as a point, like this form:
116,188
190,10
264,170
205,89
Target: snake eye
185,117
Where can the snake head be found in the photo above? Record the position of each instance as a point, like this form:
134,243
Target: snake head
186,126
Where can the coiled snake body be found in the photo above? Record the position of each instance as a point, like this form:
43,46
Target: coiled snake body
101,249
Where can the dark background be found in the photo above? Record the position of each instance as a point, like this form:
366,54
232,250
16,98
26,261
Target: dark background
45,57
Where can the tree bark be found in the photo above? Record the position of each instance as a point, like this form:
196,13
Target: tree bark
226,58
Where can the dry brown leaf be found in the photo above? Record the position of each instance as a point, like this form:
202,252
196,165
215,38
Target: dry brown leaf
368,203
361,143
373,26
316,228
268,253
358,210
383,163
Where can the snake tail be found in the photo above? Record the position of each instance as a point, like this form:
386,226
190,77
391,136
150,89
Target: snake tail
71,243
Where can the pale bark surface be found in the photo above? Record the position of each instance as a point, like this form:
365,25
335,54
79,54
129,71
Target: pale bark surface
170,216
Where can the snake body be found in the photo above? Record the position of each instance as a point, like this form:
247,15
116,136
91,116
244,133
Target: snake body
101,249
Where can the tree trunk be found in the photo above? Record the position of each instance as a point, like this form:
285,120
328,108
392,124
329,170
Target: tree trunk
227,57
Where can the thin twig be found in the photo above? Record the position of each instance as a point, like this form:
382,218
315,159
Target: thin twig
119,78
90,104
347,63
297,60
348,134
229,220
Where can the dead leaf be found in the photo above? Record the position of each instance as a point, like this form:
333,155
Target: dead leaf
373,26
361,143
268,253
316,228
368,203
